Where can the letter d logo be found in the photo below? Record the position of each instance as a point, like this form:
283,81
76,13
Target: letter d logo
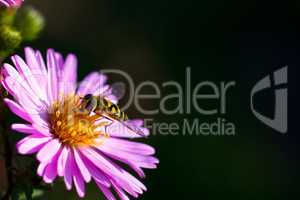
279,122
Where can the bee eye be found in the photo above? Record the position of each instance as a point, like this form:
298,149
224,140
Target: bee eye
88,97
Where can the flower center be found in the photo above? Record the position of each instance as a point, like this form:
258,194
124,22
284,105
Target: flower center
74,127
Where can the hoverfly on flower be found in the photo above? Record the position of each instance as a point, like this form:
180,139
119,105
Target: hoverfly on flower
73,135
104,107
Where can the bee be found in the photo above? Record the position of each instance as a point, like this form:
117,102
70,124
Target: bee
104,107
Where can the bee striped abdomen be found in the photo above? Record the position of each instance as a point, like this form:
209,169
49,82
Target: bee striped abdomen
124,116
112,109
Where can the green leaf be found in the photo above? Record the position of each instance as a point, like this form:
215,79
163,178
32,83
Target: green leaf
37,193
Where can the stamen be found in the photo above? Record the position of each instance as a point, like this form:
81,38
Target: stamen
73,127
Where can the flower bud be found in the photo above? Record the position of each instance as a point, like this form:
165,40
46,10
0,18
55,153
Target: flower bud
7,16
9,40
29,22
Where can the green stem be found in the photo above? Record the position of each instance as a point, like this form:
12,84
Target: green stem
7,150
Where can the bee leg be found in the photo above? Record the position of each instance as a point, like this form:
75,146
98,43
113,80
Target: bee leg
81,111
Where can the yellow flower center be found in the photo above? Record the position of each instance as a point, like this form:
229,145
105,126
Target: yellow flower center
74,127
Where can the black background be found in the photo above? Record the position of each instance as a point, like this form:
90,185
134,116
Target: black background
240,41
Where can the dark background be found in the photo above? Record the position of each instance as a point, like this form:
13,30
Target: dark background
220,40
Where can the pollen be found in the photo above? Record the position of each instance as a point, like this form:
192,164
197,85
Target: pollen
74,127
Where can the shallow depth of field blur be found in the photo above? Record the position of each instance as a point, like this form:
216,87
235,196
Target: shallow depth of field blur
240,41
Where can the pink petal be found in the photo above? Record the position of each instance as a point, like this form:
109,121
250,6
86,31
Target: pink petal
4,3
91,83
107,193
136,166
31,144
120,192
137,169
62,160
130,158
16,83
26,111
11,3
53,79
47,153
69,74
50,172
41,169
24,128
41,127
6,86
96,173
60,62
29,76
34,60
128,146
17,109
41,62
129,183
134,184
27,100
69,170
99,161
104,90
37,70
111,170
82,167
136,122
78,182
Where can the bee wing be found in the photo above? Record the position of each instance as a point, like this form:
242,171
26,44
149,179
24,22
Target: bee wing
117,90
104,91
130,127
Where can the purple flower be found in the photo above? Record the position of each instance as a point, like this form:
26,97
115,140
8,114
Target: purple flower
11,3
78,146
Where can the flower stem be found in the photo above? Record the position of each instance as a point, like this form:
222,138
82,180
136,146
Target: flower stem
7,150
